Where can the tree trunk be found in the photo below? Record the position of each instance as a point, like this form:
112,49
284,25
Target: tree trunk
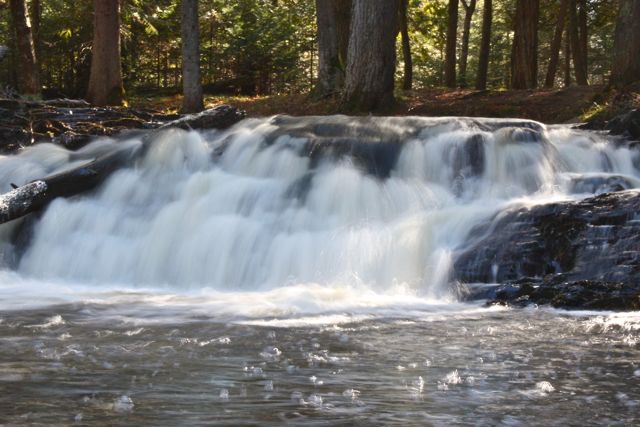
567,57
407,81
579,65
469,10
28,81
328,58
626,47
583,34
192,101
371,58
333,17
105,81
343,20
452,40
555,45
36,15
485,45
524,57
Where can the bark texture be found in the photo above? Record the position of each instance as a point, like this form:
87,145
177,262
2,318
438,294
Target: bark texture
485,45
524,58
407,81
105,81
333,18
567,58
192,101
35,16
583,33
555,45
452,40
626,49
469,10
28,81
579,60
371,58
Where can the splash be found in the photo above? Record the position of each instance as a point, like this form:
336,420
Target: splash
330,208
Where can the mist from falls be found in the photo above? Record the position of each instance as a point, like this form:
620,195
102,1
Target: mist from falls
380,204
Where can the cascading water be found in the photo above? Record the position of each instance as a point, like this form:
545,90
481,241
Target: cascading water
287,217
264,205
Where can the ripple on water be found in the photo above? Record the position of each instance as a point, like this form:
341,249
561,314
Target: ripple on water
545,387
123,404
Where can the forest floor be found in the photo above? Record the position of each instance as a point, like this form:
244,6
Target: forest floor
574,104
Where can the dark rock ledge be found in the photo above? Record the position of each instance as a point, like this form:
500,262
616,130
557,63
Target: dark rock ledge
583,254
72,123
625,125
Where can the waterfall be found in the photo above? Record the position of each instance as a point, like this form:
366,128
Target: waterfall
373,203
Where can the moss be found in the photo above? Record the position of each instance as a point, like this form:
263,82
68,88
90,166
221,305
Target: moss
596,111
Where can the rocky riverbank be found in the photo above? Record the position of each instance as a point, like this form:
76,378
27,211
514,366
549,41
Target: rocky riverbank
72,123
583,254
573,254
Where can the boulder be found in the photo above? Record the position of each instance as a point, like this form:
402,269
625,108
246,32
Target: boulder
626,125
558,254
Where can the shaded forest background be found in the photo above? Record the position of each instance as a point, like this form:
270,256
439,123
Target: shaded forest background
270,47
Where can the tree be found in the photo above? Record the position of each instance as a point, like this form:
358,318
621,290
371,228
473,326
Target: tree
555,45
469,9
105,81
452,38
371,58
333,18
583,34
567,58
407,81
28,79
192,101
485,45
577,47
35,17
524,57
626,49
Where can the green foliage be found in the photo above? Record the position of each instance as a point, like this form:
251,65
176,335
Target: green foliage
428,36
259,47
256,47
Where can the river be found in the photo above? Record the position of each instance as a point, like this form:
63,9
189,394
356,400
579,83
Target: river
297,271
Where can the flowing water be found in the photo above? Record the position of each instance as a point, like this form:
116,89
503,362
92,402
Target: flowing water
292,271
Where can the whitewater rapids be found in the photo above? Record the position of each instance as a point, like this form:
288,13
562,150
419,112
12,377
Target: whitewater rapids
298,271
309,212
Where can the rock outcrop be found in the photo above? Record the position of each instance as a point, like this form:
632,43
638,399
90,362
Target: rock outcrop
583,254
72,123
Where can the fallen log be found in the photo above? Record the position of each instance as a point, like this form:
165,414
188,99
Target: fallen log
37,194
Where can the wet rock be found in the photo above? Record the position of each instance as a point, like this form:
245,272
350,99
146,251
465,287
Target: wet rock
600,183
468,158
73,140
553,291
375,157
220,117
511,135
73,123
12,138
568,254
627,125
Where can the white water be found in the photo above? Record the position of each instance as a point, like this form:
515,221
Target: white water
188,226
